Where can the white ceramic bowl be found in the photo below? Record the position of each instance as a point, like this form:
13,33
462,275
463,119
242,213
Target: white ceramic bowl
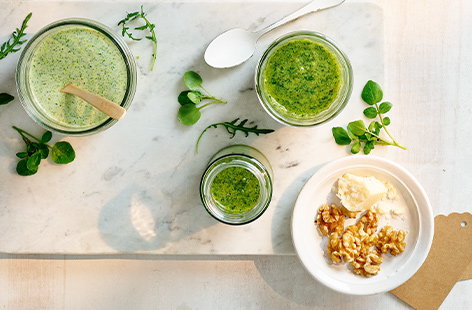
417,220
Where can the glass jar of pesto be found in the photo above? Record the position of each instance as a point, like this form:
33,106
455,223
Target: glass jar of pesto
303,79
236,187
79,51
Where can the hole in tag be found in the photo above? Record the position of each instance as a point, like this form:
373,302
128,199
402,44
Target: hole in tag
463,224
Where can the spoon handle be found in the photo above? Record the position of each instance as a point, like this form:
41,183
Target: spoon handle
108,107
313,6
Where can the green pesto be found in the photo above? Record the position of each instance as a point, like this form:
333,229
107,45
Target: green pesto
85,57
302,78
236,189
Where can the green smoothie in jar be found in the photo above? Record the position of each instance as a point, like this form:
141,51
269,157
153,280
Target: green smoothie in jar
85,57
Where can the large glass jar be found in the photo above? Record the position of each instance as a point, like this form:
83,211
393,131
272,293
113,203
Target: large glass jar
79,51
303,79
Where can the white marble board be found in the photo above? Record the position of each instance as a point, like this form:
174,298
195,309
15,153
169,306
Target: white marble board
134,188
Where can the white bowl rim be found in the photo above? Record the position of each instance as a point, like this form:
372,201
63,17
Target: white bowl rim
425,233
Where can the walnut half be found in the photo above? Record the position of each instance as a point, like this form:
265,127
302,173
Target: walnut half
330,219
392,241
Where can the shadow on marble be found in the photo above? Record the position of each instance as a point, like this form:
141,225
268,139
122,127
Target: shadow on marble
136,220
282,219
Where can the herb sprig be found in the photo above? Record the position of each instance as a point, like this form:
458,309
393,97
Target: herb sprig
232,127
363,137
16,39
191,101
5,98
61,152
147,26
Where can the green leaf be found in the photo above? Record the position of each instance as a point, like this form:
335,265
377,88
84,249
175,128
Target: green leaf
189,114
43,148
363,138
62,153
356,147
192,80
147,26
370,112
46,137
372,93
368,146
195,97
32,148
21,154
232,127
384,107
341,136
386,121
357,127
33,161
374,127
22,169
183,97
5,98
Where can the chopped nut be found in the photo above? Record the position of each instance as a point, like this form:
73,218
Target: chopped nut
369,222
359,245
330,219
368,262
391,241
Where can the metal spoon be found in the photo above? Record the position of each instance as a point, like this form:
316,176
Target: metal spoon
237,45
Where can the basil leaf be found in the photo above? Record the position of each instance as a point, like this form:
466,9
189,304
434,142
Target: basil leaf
195,97
192,80
386,121
5,98
21,154
46,137
357,127
188,114
341,136
44,151
370,112
62,153
372,93
33,161
23,170
183,97
356,147
384,107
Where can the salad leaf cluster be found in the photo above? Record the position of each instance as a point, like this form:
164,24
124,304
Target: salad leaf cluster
360,136
192,100
61,152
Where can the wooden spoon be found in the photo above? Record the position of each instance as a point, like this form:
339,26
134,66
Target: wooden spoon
108,107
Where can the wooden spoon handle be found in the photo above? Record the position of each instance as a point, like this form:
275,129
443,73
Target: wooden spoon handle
108,107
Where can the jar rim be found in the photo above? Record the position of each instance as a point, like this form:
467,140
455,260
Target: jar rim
26,99
335,107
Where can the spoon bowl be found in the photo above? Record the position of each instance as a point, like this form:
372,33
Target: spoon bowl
231,48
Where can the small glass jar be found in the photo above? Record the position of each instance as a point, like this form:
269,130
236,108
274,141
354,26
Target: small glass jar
237,156
28,100
334,108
